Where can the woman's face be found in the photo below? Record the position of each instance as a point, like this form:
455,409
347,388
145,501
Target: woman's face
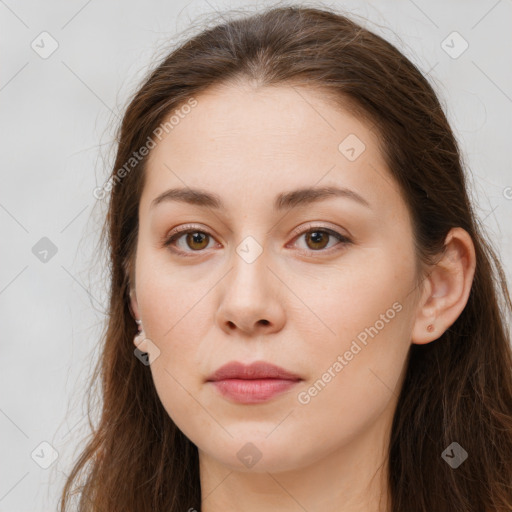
267,279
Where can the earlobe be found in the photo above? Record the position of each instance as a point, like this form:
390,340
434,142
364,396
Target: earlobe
139,340
446,289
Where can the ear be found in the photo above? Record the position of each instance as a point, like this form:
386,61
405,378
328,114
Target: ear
446,289
134,306
130,276
139,340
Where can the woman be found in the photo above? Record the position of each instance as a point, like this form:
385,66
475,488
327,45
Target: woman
320,325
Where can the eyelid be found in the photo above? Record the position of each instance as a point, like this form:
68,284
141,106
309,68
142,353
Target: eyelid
184,227
312,225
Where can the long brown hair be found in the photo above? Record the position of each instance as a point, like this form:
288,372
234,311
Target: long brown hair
456,389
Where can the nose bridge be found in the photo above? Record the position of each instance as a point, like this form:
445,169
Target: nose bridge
250,261
253,255
249,297
251,242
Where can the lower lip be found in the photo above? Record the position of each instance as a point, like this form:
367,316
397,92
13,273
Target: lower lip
253,391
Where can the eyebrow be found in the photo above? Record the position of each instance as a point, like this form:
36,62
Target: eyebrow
283,201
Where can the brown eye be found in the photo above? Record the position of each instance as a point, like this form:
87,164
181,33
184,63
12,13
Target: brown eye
194,241
317,239
196,237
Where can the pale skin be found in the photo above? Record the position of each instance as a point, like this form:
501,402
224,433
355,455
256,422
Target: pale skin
248,145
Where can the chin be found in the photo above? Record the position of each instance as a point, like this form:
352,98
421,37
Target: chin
258,454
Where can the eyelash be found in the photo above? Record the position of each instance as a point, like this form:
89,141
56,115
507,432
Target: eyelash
183,230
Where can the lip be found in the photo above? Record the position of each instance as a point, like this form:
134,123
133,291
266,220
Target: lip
253,383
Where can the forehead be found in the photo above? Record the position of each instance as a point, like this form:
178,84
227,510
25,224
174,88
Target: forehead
240,119
244,142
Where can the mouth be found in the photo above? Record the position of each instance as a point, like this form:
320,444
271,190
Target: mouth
254,383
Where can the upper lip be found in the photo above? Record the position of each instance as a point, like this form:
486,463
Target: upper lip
256,370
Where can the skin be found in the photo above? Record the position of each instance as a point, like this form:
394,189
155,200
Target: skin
199,312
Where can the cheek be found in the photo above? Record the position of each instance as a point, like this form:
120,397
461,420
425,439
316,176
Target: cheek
364,300
167,294
177,317
355,376
358,371
361,338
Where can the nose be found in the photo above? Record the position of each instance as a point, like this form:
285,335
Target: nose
251,299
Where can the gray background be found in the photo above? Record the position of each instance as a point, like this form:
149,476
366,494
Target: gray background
58,116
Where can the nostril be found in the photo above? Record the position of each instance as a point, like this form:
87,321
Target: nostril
264,322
